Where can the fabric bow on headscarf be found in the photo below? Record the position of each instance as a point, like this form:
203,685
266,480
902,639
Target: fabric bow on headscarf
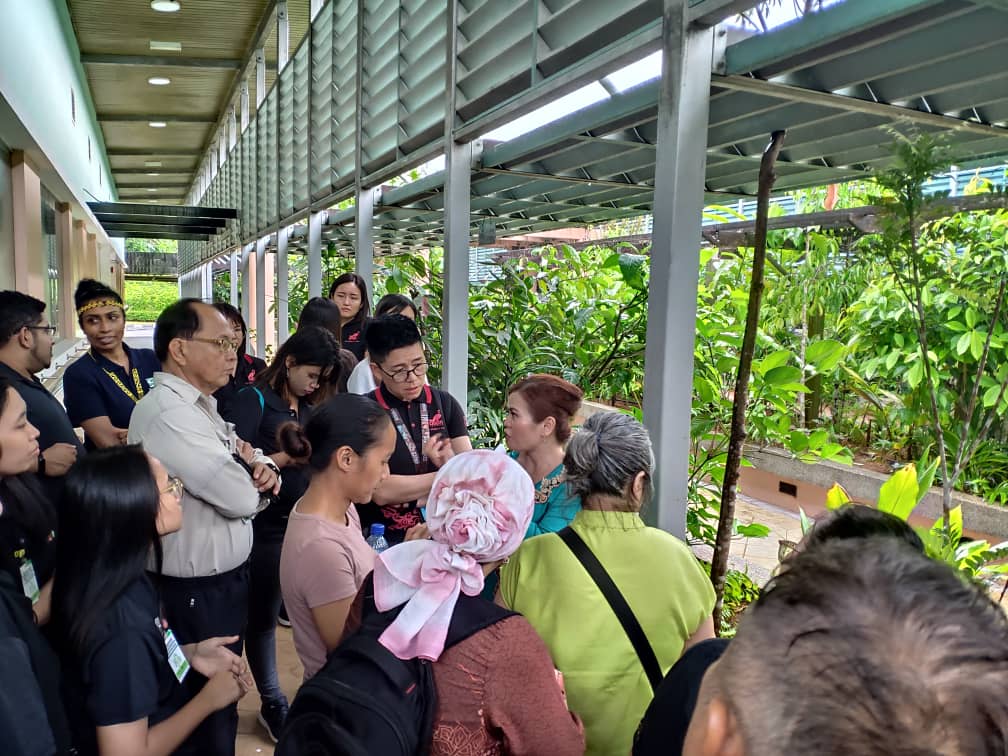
478,511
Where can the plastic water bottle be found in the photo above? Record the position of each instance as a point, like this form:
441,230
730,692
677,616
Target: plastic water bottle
377,539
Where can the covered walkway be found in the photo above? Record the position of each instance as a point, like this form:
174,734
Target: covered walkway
368,127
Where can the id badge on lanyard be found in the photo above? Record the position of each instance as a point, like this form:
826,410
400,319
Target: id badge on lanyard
176,657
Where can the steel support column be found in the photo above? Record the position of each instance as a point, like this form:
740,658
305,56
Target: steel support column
235,299
260,295
260,77
248,284
283,285
206,282
678,202
455,309
315,223
232,129
244,103
283,36
364,243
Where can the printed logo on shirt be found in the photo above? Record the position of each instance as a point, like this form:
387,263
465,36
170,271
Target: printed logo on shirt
437,422
353,337
150,382
251,376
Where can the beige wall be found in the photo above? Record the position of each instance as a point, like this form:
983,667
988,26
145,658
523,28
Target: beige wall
6,222
26,190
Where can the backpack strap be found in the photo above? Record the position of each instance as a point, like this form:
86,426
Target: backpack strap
471,615
617,602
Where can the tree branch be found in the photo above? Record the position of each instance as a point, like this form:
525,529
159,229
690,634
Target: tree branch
737,436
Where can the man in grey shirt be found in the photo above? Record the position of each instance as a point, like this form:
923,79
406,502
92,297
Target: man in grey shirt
204,580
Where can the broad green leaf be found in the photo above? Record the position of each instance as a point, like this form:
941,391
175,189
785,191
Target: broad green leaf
817,438
977,340
799,442
971,317
925,477
891,360
898,495
963,343
956,524
836,497
824,355
914,374
752,530
778,376
776,359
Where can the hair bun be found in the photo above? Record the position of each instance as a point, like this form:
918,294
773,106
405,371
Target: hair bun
582,454
88,289
294,441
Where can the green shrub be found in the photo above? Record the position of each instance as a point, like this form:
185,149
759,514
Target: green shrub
146,299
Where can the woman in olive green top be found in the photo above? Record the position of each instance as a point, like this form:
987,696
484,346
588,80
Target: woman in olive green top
609,463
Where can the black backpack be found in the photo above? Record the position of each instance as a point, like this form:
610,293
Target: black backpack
365,700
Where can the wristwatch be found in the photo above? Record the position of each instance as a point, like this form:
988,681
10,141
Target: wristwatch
41,464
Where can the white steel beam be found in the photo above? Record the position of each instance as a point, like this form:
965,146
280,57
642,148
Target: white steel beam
678,203
364,242
315,222
283,285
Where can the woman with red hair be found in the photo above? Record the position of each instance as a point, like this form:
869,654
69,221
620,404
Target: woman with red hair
540,409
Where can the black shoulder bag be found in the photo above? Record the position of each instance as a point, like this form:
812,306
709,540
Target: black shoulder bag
618,604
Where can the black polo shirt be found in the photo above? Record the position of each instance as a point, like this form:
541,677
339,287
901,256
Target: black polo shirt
123,673
89,391
353,338
258,412
44,411
246,370
445,417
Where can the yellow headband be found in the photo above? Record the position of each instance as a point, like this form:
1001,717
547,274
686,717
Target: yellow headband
94,304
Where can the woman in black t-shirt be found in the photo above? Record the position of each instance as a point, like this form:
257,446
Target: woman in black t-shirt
122,664
247,367
350,294
27,518
279,396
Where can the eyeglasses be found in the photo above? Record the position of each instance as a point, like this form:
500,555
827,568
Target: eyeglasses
175,488
401,376
50,329
224,344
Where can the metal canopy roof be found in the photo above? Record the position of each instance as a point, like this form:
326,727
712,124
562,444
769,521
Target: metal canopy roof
217,39
135,221
839,81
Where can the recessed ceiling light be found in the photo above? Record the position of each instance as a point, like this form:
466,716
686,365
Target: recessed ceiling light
166,6
153,174
152,190
159,81
166,46
157,124
152,163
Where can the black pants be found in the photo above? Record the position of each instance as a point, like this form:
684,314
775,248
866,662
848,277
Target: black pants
263,607
201,608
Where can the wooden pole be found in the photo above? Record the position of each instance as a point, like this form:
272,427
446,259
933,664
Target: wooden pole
736,439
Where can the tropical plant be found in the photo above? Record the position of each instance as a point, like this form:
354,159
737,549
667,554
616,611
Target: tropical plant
943,541
948,279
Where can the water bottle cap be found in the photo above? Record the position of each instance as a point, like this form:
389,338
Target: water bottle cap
377,530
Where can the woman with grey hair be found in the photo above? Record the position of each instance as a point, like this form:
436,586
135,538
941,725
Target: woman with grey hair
616,601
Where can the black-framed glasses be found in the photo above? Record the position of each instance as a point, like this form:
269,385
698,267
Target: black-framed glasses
50,329
401,376
175,488
224,344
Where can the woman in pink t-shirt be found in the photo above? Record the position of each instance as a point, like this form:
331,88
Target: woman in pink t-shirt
346,445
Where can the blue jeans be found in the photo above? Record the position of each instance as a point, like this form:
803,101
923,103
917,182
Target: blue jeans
263,606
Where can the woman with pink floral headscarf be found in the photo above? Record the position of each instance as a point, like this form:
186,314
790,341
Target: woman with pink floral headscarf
497,688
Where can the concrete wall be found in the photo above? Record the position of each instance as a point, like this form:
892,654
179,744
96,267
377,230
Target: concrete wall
39,67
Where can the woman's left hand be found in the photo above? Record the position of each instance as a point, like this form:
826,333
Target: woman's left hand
418,532
212,655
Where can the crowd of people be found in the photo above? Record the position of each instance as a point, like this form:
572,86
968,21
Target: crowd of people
144,564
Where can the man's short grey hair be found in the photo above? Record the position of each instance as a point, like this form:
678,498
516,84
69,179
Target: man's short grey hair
606,455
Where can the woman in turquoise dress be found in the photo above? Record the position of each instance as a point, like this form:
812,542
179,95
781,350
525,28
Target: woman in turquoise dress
540,409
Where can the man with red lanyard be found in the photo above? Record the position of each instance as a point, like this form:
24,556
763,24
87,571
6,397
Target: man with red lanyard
430,424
